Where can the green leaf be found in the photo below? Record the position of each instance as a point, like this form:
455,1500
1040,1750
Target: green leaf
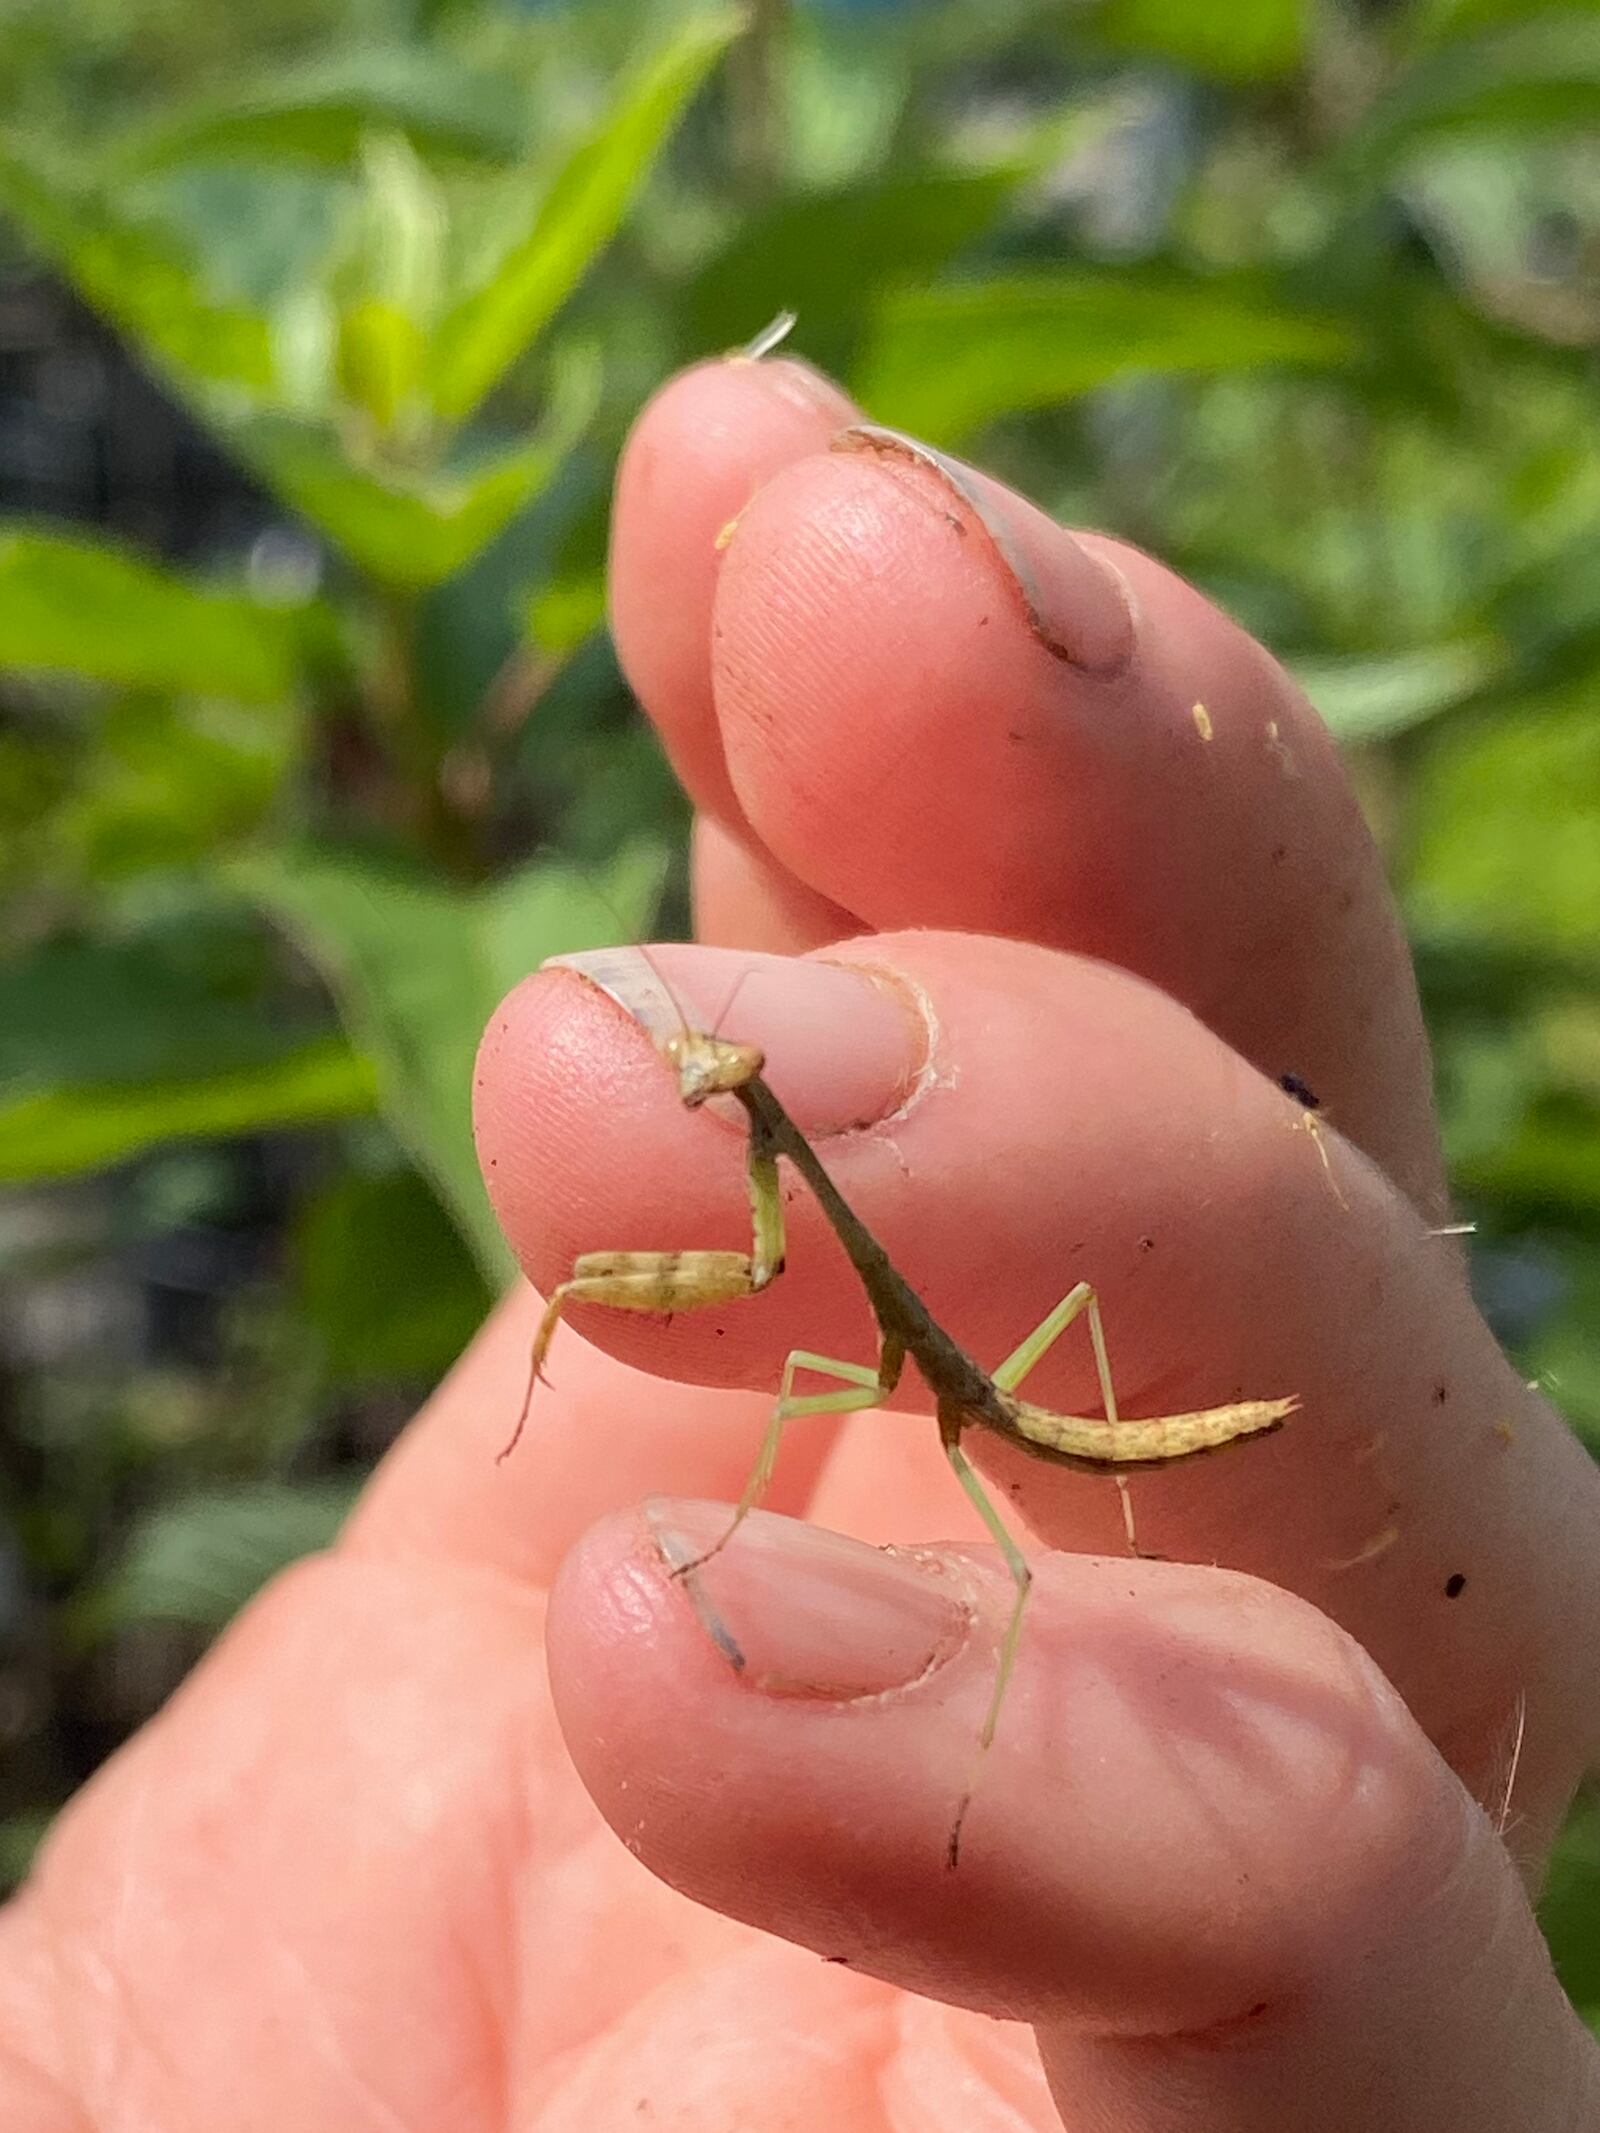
1569,1909
137,276
319,115
20,1838
1561,1355
1548,1170
1531,76
1248,40
60,1132
126,1011
389,285
818,256
1364,700
411,527
1507,828
73,606
162,782
417,969
564,225
386,1281
199,1559
944,361
561,614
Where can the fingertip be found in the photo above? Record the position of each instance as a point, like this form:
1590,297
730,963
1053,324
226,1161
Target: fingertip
1201,1797
697,454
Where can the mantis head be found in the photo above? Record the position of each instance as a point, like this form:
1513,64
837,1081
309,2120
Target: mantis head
710,1066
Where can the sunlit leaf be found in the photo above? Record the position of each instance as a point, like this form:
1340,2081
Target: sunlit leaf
1248,40
563,613
944,361
416,527
1530,76
197,1560
564,225
388,286
319,114
136,275
59,1132
1507,828
1365,700
416,969
75,606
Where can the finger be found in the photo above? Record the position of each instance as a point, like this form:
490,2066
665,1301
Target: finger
696,456
940,708
1209,1856
1073,1124
347,1877
355,1768
743,900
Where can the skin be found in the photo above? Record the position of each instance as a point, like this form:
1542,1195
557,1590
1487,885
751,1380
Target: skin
1251,1847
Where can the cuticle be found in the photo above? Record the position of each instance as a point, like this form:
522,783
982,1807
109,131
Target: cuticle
916,1006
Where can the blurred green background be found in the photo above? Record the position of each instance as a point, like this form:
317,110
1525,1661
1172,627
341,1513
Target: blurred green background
320,326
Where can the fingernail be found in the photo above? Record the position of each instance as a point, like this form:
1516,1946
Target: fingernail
1077,604
801,1612
791,377
844,1046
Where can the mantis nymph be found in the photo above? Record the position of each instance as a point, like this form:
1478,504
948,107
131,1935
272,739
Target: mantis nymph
964,1395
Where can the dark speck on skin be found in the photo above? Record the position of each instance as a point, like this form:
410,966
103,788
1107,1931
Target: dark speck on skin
1455,1585
1292,1085
1441,1393
1147,1244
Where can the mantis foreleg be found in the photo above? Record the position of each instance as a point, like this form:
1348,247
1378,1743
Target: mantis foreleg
664,1283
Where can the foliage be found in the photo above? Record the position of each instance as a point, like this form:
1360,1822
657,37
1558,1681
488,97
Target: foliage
1305,302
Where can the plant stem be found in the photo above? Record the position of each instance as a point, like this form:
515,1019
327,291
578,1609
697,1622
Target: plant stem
755,76
414,756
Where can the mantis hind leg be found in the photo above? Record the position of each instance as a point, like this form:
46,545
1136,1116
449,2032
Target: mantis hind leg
1016,1562
860,1387
1079,1302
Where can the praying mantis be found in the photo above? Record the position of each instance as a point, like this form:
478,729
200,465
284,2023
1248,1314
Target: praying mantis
964,1394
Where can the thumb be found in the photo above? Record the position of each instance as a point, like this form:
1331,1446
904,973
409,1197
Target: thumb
1210,1855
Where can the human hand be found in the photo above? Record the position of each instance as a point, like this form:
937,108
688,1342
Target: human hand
1227,1874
